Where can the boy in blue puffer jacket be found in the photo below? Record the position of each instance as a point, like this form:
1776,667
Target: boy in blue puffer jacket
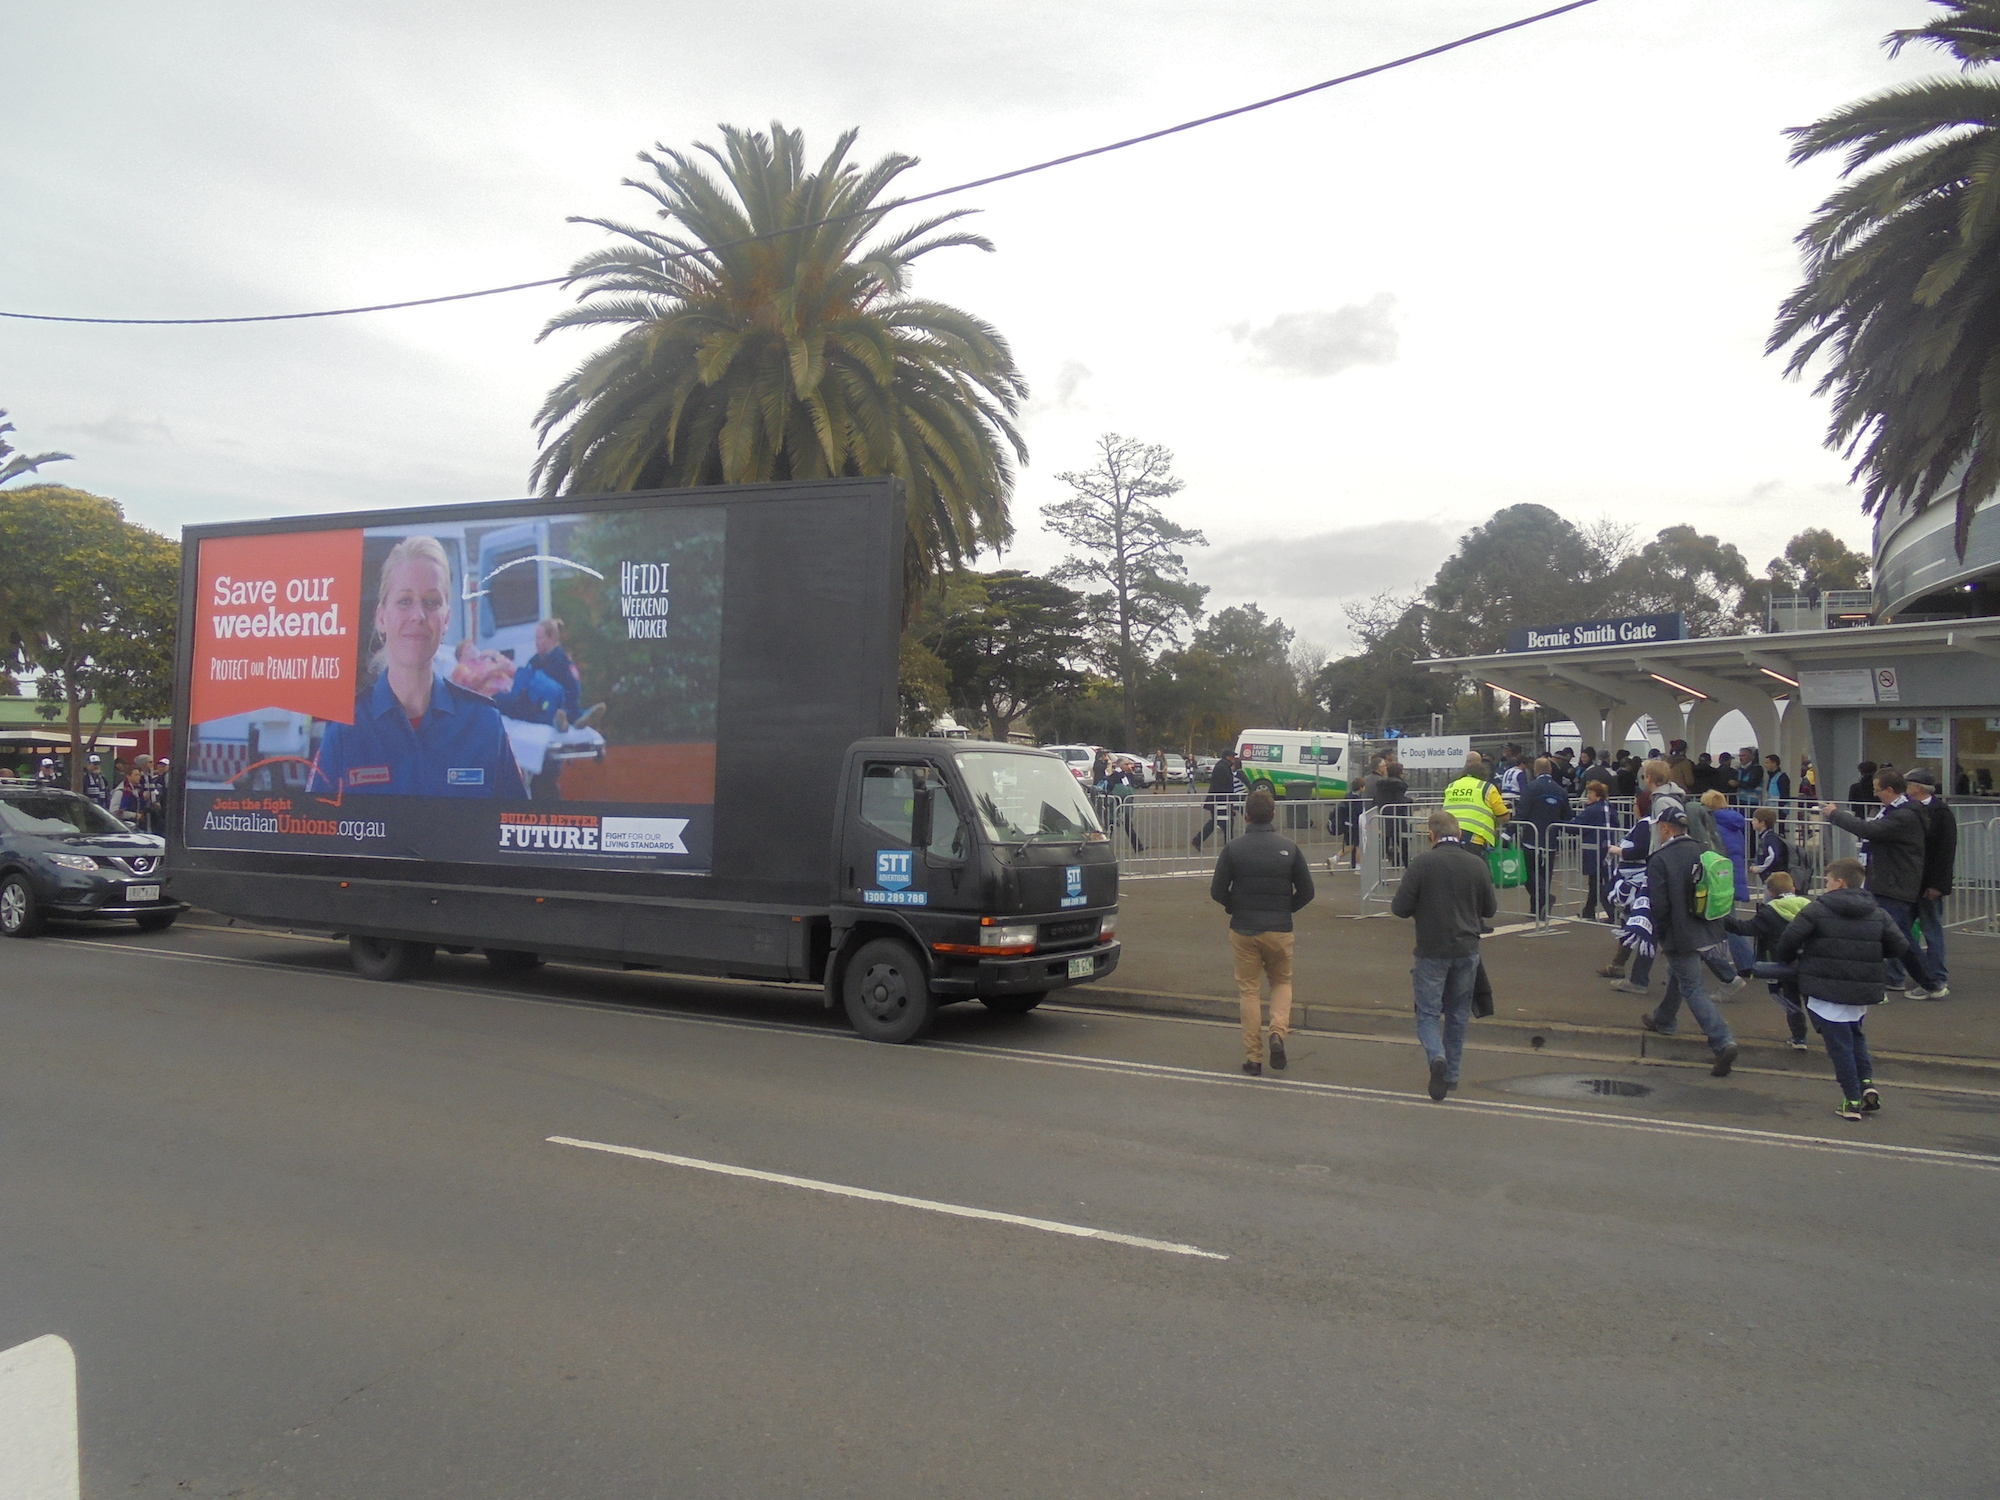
1840,942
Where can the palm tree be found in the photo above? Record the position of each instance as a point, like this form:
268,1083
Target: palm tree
1902,286
762,341
12,464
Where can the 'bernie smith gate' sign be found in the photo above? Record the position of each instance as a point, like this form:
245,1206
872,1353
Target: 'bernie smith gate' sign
1633,630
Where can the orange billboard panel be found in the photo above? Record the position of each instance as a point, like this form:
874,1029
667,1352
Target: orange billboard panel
277,625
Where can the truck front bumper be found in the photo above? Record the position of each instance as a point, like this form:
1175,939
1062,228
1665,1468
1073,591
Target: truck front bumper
1016,976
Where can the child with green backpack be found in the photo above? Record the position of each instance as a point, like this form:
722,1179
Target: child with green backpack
1765,924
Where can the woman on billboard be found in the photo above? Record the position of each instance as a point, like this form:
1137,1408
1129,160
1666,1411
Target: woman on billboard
417,733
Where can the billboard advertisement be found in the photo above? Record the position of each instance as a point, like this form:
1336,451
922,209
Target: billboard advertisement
536,690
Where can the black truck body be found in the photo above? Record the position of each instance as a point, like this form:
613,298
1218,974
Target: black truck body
837,853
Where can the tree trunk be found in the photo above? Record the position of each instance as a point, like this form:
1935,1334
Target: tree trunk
75,708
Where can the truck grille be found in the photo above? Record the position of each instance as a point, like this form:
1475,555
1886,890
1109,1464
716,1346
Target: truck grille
1076,930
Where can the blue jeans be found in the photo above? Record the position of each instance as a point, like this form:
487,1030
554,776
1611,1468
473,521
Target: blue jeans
1848,1050
1684,983
1444,994
1716,958
1904,915
1743,951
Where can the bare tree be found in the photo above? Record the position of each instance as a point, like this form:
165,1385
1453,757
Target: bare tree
1125,545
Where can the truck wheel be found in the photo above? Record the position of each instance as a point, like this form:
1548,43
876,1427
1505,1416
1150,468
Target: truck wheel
512,960
887,996
388,958
20,914
157,921
1013,1005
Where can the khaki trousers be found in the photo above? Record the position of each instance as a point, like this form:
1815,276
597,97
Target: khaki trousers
1257,957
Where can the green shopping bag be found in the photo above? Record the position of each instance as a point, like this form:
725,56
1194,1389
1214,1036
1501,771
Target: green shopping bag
1509,866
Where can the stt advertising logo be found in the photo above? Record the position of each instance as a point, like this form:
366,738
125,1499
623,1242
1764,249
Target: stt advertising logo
1073,886
892,869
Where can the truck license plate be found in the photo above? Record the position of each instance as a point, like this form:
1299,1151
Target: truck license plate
1082,968
135,894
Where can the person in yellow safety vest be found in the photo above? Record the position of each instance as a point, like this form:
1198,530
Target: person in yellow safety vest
1477,804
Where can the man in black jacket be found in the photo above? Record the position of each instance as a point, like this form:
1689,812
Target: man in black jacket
1940,860
1673,874
1895,868
1839,942
1225,785
1260,880
1449,890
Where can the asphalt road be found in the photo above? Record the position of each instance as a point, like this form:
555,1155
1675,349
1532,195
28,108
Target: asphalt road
310,1238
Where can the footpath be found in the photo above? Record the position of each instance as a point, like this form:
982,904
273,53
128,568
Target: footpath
1353,978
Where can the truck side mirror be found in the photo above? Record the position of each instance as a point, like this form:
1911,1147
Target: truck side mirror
920,816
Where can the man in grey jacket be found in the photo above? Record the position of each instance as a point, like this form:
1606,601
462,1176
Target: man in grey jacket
1896,849
1449,890
1673,875
1260,880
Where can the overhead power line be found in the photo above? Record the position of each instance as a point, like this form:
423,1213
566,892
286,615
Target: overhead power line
878,209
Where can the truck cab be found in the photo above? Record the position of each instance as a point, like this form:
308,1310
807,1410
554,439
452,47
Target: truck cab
964,870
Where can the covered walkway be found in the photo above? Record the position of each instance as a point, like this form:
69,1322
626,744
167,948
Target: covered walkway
1686,687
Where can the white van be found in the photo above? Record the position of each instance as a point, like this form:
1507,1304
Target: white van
1282,759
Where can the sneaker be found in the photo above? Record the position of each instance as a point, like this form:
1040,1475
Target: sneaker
1849,1109
1731,990
1916,992
1277,1054
1438,1089
1942,992
1627,987
1800,1044
1254,1069
1724,1061
1871,1098
1450,1085
1646,1020
1611,971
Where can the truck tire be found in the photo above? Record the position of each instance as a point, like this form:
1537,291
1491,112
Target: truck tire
20,913
512,960
389,958
887,995
157,921
1014,1005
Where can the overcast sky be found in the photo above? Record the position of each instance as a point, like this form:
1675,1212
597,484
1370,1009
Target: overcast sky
1541,269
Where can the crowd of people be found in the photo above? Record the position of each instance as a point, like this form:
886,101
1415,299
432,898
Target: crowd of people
1704,882
134,791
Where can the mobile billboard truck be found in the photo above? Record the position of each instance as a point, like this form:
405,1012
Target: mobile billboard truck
654,729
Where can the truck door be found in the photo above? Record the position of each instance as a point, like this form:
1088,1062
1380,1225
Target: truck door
881,865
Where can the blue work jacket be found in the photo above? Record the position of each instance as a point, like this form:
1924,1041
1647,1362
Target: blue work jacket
459,749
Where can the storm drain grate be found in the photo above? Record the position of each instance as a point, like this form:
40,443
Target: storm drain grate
1616,1088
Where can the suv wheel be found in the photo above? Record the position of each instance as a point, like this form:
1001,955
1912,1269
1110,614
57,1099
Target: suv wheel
20,913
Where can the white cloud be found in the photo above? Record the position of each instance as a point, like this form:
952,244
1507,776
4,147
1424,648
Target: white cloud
1321,343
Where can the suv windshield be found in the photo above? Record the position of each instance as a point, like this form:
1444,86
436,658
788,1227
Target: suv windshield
55,815
1026,797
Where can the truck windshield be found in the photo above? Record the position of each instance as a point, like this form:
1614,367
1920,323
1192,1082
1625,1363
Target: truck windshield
1022,798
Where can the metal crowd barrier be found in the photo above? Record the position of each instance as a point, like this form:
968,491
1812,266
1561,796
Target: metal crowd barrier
1155,835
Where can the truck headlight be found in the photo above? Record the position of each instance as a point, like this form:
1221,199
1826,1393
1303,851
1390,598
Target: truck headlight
1107,927
73,861
1008,939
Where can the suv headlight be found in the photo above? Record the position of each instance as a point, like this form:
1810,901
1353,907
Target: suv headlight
73,861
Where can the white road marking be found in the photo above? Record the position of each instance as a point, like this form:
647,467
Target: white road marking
38,1446
930,1205
1163,1072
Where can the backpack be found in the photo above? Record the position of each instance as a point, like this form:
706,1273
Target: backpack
1714,887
